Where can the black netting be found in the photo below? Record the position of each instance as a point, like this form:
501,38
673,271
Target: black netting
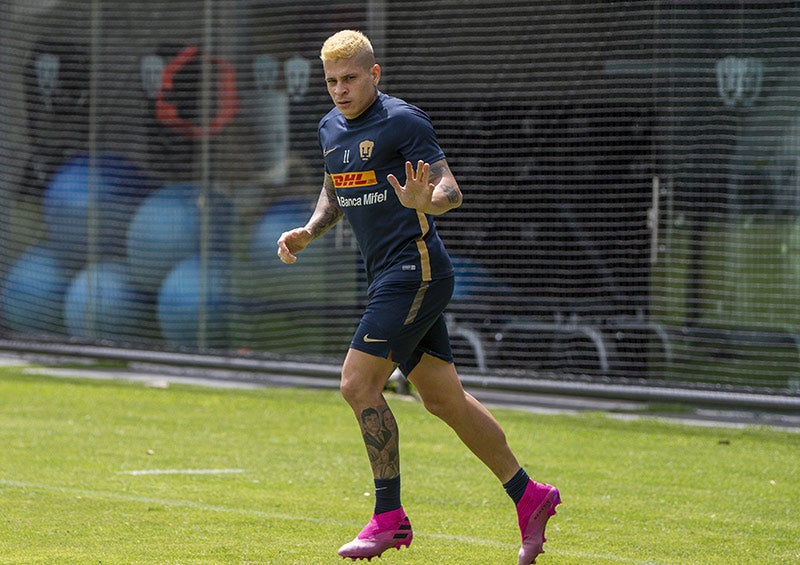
630,172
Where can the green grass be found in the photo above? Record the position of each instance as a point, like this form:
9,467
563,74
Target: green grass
637,492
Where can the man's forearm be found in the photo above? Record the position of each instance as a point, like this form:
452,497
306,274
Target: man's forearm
327,212
446,195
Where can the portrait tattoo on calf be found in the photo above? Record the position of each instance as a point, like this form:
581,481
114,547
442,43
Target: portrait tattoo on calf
379,431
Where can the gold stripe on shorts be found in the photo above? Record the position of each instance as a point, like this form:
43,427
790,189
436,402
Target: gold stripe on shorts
415,306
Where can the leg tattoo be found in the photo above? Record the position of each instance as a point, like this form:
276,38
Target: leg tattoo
379,430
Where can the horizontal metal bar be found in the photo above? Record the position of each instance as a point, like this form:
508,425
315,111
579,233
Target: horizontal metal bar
621,391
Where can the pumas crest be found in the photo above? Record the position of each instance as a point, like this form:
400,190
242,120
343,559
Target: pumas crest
365,149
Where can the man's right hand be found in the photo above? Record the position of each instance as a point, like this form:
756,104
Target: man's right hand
292,242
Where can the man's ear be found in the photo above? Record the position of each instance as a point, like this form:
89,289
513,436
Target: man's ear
375,71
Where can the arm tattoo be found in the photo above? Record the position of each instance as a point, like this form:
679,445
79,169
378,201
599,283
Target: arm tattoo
440,171
451,192
437,172
328,211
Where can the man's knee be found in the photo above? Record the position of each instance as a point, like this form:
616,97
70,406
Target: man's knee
351,390
439,407
444,404
439,388
363,378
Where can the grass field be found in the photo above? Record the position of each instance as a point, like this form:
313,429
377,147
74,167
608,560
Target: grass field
113,472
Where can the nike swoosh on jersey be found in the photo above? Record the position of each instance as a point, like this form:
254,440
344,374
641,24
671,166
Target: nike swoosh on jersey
331,150
368,339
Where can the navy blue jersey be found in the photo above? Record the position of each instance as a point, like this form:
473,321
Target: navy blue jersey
395,241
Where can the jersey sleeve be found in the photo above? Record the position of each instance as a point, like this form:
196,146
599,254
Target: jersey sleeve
418,140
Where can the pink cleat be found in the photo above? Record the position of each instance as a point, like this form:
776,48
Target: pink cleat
385,530
534,509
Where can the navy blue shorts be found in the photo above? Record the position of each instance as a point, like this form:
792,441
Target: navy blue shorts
405,319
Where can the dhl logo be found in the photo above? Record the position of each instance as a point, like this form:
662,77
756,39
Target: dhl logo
353,180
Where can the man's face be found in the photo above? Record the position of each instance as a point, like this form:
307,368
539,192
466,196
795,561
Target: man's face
372,423
351,85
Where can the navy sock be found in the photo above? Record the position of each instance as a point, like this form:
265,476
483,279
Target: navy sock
387,494
517,485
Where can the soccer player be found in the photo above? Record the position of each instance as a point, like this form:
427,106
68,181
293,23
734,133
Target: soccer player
385,171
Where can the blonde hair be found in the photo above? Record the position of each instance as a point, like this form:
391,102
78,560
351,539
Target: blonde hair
348,44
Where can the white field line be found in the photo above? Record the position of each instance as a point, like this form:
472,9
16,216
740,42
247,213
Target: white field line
181,472
163,502
293,518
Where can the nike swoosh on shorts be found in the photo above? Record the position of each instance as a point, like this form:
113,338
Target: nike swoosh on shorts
368,339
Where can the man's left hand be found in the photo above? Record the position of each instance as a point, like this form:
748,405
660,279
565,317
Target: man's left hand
418,190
